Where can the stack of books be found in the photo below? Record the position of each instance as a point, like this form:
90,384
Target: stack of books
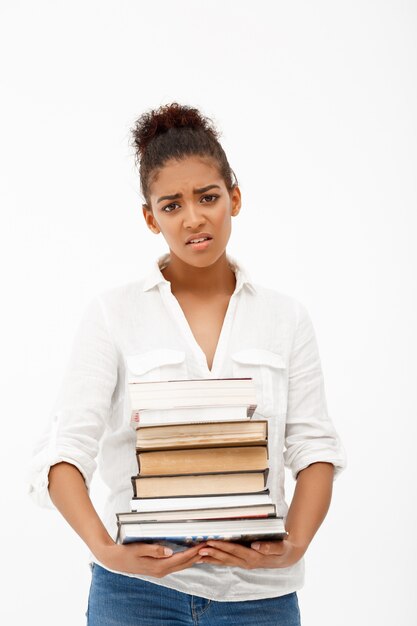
202,465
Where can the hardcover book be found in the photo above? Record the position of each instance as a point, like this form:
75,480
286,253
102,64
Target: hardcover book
202,434
191,532
230,512
199,484
192,460
200,502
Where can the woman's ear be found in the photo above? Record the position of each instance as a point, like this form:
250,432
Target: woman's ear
236,200
150,220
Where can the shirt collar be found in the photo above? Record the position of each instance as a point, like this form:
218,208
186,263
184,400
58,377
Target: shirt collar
155,276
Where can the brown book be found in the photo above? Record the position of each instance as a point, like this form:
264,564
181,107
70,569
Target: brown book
190,461
203,434
199,484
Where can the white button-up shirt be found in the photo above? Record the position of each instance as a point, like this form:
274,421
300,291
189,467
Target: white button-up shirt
138,332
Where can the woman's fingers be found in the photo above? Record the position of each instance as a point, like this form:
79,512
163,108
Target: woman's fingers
260,554
267,554
158,551
154,550
184,564
231,547
168,566
273,548
212,554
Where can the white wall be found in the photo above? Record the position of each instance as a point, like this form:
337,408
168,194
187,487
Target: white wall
315,101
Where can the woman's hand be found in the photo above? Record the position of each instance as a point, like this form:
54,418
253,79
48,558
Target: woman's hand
144,558
260,554
308,508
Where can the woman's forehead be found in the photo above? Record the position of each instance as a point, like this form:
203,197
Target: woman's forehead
195,170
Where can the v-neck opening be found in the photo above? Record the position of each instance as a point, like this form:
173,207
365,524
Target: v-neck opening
184,324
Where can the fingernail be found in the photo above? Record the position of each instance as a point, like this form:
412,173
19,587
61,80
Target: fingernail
256,545
203,553
168,551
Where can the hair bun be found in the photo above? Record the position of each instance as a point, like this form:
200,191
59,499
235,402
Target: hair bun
158,121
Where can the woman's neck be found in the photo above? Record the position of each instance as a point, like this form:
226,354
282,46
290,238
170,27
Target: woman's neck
218,278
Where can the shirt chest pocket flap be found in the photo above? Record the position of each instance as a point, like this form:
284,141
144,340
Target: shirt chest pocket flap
268,370
159,364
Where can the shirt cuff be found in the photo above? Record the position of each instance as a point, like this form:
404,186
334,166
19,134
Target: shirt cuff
339,463
39,481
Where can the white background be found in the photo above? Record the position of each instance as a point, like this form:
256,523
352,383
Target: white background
316,102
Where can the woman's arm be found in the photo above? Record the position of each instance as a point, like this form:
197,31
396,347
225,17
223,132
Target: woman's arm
308,509
69,494
310,503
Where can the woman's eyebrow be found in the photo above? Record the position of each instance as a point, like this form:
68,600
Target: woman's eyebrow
178,195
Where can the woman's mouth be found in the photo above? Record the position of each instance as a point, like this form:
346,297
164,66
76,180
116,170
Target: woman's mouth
200,243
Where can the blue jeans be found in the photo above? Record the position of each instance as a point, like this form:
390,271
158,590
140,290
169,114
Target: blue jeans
118,600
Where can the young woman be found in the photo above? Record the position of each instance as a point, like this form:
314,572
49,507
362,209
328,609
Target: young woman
197,314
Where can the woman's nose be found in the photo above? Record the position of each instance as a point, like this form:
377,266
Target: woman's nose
193,217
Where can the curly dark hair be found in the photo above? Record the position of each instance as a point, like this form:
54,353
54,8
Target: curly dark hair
175,131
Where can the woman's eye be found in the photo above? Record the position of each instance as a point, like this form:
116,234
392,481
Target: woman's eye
169,206
212,196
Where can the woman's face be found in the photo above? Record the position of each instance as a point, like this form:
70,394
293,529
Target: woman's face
202,204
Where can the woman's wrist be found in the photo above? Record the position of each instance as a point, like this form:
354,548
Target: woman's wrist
297,540
100,545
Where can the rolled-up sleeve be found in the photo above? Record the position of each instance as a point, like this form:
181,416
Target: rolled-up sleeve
310,435
82,407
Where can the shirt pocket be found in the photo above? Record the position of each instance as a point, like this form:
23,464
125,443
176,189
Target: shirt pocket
160,364
152,365
268,370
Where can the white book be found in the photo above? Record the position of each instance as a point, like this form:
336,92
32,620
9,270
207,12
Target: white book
191,392
199,502
190,397
189,415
